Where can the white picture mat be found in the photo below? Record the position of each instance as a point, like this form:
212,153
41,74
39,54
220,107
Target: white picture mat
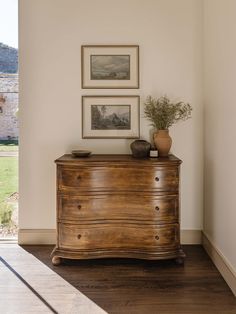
88,101
132,51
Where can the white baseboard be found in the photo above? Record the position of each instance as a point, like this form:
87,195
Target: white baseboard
48,236
224,267
191,237
36,236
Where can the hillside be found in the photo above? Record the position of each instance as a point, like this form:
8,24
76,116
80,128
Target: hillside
8,59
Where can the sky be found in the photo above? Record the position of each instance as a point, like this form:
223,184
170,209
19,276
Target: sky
9,22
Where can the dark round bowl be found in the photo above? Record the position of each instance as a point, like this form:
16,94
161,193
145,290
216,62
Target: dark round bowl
80,153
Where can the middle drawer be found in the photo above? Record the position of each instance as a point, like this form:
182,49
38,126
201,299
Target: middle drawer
118,207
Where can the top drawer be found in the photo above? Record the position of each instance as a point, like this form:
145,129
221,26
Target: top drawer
118,178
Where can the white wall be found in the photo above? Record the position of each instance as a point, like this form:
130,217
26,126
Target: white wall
220,126
51,33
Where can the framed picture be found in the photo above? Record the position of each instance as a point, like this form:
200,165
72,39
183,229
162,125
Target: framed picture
110,116
110,66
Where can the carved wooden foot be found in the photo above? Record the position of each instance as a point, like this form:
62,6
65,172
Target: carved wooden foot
56,260
179,260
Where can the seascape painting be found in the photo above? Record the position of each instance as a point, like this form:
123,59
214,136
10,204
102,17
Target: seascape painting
110,67
110,117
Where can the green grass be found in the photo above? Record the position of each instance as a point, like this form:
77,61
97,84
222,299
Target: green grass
8,177
8,185
8,145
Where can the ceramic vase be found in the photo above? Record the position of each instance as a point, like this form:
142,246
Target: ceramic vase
140,148
163,142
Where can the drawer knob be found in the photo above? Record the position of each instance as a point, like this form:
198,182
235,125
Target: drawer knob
79,207
157,208
157,237
78,177
79,236
157,179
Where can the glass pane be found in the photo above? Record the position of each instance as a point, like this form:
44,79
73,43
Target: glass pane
8,119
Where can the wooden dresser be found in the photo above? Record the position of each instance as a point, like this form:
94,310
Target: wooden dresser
117,206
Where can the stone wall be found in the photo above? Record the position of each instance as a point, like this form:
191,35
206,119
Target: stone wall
8,106
8,59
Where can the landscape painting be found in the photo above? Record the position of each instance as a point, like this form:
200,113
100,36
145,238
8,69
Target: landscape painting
110,117
114,66
110,67
114,116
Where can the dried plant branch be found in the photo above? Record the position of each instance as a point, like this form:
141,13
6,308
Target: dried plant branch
162,113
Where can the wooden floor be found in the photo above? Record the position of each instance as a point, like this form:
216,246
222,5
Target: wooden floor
27,286
148,287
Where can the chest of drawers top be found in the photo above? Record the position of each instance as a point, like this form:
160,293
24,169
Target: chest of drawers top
100,160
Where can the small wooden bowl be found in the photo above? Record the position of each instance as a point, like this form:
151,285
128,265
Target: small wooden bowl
80,153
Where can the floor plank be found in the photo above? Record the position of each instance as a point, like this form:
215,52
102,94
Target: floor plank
15,297
46,290
121,286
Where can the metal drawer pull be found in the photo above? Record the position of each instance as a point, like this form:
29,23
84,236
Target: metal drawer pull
79,236
79,207
157,208
157,179
157,237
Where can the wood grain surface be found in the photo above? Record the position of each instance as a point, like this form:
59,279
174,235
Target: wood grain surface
118,178
118,236
117,206
149,208
131,286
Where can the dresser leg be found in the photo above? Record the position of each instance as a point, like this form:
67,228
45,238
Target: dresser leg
179,260
56,260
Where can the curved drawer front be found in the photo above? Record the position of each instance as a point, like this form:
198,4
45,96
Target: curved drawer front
117,236
119,178
117,207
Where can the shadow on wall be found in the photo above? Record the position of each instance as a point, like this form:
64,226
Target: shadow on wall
209,197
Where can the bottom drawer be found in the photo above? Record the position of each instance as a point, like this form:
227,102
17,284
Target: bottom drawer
118,236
